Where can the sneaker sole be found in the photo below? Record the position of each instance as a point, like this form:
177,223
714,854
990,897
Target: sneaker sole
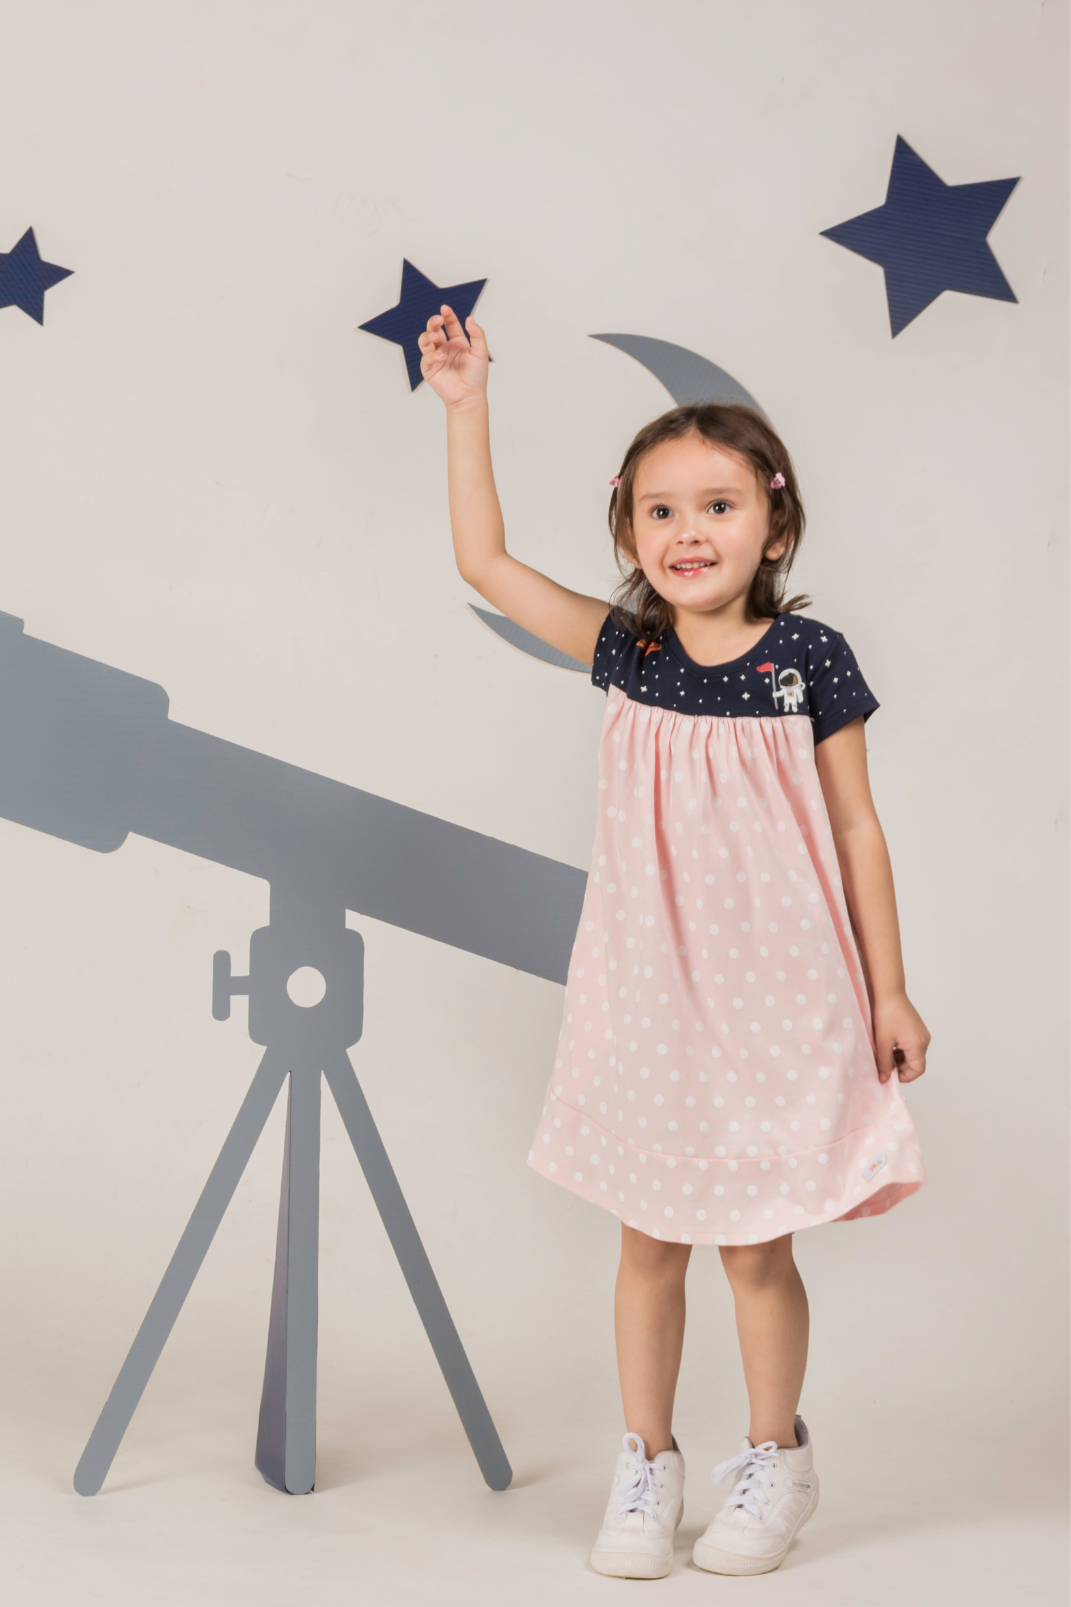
631,1564
731,1562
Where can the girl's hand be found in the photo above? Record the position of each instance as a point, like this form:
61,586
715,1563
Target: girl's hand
455,369
900,1039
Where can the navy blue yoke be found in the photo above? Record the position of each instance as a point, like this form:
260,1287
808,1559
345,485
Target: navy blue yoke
799,667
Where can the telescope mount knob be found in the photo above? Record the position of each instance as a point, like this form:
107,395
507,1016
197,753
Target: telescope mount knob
224,985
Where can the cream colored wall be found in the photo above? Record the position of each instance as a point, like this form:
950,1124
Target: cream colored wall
213,481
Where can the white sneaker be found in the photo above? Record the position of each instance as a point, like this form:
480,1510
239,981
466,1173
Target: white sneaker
645,1507
774,1495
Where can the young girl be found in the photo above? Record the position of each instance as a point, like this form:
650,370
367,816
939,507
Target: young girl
735,1010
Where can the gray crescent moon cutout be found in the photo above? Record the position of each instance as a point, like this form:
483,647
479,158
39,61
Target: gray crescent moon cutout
689,378
516,637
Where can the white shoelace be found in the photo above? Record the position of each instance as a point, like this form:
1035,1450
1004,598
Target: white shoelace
637,1494
754,1467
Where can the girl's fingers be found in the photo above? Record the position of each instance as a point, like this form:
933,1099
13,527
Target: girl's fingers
452,324
477,338
431,342
886,1058
912,1064
906,1057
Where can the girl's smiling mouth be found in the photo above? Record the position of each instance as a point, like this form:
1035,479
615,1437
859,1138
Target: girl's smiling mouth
691,566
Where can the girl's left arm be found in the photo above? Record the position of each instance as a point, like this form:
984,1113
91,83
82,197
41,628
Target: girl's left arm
900,1034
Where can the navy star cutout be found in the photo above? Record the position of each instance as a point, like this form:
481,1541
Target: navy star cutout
419,299
24,277
929,236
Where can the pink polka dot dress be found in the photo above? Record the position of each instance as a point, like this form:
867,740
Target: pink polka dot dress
715,1080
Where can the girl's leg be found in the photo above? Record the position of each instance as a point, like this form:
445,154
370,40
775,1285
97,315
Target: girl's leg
649,1325
772,1324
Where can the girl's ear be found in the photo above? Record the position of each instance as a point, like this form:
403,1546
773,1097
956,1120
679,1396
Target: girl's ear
776,546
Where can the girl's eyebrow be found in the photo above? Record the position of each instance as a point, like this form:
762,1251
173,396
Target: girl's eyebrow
713,491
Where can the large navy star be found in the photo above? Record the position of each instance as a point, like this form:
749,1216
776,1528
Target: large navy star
24,278
929,236
418,300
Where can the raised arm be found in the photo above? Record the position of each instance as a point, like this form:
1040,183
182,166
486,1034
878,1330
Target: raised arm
900,1034
457,371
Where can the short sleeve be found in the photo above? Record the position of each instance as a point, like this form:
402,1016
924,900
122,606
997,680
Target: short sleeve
609,650
837,691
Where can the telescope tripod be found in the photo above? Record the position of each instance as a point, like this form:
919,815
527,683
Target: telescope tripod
300,1043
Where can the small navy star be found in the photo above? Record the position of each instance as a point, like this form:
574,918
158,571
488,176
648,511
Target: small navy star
24,277
420,297
929,236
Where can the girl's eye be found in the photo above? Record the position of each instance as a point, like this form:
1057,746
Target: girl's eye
660,511
718,507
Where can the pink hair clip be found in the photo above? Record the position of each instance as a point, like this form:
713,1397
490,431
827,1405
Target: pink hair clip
616,481
777,482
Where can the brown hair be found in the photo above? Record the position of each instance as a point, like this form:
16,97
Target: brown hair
746,434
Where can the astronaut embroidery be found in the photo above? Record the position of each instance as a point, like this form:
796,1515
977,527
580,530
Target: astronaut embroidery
788,686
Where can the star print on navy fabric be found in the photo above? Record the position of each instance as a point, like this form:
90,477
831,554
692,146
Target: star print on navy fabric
804,685
929,236
420,298
24,277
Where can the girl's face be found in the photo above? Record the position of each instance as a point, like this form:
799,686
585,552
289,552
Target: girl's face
701,523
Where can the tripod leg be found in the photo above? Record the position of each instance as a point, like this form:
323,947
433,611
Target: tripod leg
183,1267
286,1436
423,1285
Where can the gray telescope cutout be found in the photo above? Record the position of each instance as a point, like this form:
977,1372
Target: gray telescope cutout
88,754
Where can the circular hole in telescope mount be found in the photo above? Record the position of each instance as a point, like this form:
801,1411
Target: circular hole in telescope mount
306,986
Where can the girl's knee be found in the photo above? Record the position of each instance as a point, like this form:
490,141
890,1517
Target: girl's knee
655,1257
752,1265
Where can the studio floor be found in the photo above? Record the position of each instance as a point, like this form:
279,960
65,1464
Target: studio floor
400,1516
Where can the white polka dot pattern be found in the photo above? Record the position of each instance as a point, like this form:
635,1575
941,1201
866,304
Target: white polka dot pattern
715,1080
